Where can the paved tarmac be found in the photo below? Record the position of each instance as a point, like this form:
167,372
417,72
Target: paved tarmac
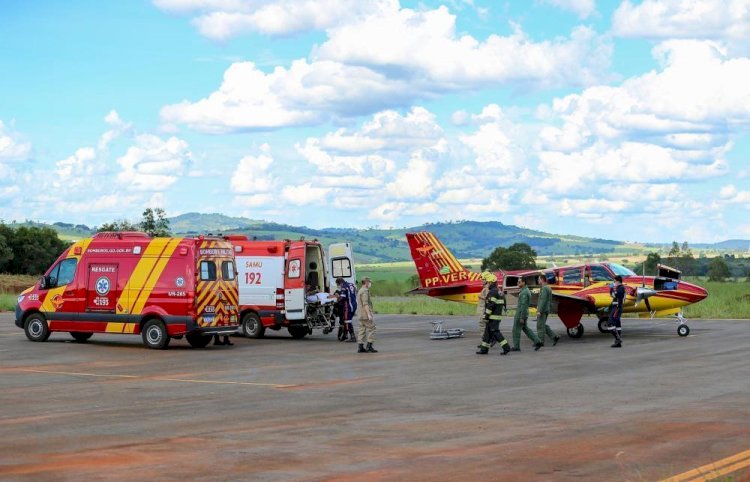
281,409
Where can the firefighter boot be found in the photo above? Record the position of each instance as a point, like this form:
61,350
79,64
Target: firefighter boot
217,340
506,349
483,350
352,335
227,341
370,349
537,346
618,339
361,349
342,333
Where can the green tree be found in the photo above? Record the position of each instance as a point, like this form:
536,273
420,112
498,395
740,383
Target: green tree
34,250
651,261
517,256
675,251
155,222
118,225
718,269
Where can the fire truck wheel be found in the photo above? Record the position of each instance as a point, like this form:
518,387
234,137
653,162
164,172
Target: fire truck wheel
36,328
80,336
155,335
198,340
252,327
298,331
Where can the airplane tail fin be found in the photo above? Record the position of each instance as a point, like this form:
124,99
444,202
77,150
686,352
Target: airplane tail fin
436,265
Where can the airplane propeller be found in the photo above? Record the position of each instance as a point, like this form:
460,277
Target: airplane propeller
642,293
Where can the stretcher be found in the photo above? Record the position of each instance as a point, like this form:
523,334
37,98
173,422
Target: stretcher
439,332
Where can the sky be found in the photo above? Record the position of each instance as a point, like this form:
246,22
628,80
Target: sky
618,119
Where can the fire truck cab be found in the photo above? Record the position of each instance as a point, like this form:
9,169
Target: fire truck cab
288,284
130,283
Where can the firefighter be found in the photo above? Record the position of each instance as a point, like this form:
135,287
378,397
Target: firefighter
542,312
522,316
366,318
486,276
348,299
494,306
617,292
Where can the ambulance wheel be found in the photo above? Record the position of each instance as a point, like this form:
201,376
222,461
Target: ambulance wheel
252,327
603,325
80,336
298,331
683,330
155,335
198,340
36,328
576,332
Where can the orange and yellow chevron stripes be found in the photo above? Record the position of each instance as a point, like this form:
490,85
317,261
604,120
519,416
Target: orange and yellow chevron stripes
121,327
146,274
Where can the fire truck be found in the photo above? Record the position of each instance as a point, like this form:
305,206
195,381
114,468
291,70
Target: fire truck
130,283
286,284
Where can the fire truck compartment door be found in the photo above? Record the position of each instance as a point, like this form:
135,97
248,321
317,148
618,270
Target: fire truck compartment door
341,263
102,290
294,283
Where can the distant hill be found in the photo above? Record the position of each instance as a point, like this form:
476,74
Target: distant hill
467,239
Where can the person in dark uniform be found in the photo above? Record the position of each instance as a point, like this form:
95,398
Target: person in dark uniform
617,292
348,300
493,309
227,341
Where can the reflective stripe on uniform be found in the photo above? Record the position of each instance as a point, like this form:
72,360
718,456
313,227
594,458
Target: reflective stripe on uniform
485,344
497,300
496,317
504,342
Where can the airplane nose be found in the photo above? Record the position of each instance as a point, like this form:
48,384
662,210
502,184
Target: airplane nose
698,292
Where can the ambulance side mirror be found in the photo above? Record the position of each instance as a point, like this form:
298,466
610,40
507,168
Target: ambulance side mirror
44,282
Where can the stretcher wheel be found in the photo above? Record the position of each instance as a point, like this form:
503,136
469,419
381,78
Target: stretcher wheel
683,330
80,336
36,328
603,325
576,332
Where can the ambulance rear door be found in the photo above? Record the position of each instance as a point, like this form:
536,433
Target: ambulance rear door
340,264
294,282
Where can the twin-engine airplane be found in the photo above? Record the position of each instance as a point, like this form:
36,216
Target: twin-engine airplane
577,290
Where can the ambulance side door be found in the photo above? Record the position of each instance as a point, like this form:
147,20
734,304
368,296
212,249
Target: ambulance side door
340,264
103,287
294,282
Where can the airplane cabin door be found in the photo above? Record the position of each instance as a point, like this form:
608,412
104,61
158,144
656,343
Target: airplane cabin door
294,283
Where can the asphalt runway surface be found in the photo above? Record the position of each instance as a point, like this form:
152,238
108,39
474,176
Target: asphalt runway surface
313,409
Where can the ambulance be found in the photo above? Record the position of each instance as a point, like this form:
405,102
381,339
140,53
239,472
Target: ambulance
130,283
287,284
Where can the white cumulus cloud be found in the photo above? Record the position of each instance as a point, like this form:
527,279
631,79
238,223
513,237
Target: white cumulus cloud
12,148
153,164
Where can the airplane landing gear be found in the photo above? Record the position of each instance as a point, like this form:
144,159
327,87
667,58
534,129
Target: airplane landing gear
603,324
682,328
576,332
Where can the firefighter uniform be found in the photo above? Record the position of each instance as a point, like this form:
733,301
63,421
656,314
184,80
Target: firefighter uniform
542,312
494,306
519,321
615,311
486,277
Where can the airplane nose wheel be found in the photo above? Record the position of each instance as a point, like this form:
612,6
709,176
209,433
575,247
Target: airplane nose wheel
683,330
576,332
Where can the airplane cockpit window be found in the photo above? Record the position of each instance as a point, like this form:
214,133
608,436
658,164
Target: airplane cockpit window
600,273
621,270
572,276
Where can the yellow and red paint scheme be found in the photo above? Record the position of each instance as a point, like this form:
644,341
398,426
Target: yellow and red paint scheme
118,281
442,276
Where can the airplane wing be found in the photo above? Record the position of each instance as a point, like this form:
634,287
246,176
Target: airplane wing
570,308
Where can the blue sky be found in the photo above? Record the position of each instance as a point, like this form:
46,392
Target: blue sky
618,119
